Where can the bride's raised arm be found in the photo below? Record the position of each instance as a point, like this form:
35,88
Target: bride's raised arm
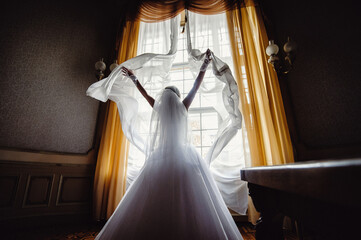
127,72
197,83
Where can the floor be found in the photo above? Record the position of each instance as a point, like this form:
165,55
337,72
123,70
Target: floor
89,232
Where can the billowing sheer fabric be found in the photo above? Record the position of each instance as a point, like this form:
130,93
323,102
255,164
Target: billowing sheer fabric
226,155
175,180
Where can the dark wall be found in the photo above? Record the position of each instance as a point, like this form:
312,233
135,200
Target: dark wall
322,94
48,50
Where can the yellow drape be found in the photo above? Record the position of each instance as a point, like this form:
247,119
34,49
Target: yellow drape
111,168
260,97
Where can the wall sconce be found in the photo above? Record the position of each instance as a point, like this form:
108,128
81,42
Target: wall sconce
281,66
100,67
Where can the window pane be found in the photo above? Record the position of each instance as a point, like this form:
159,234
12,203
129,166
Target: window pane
195,121
196,138
208,137
188,84
225,51
209,84
205,151
196,102
188,74
179,57
210,99
176,75
181,44
210,120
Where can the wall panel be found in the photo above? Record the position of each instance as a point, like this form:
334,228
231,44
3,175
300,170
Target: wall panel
74,190
39,189
8,188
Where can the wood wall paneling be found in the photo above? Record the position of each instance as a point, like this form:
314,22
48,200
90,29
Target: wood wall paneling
74,190
8,188
38,190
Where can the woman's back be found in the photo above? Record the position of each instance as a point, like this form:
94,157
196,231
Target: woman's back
169,123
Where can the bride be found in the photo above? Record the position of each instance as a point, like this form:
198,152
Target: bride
174,195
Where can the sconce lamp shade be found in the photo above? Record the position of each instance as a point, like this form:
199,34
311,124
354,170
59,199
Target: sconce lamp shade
272,48
113,65
100,65
289,46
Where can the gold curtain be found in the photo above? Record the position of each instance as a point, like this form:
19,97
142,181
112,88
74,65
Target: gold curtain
111,168
260,97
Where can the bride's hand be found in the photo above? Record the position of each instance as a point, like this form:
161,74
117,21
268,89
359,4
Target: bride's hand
127,72
208,55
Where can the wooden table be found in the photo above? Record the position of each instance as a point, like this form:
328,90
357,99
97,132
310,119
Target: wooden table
324,197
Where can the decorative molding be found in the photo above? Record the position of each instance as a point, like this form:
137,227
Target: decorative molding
45,191
47,157
27,203
63,179
11,195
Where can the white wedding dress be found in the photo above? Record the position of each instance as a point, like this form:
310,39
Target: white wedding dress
174,196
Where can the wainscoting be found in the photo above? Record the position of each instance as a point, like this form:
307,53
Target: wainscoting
47,185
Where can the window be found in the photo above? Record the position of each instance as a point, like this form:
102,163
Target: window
204,119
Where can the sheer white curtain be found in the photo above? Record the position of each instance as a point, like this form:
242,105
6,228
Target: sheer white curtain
153,38
208,115
211,31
